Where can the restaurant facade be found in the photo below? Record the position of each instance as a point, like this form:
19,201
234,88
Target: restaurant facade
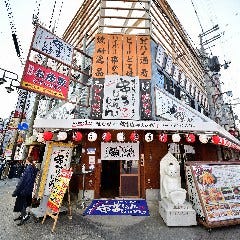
144,100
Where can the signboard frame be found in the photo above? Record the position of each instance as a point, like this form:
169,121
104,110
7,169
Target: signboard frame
215,206
54,203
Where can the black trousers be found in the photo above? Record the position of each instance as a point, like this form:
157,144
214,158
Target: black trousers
21,204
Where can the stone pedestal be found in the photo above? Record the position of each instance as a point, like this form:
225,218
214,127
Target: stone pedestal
172,216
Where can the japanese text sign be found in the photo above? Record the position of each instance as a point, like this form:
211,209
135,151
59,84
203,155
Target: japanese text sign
37,78
144,57
100,56
119,151
127,55
58,157
121,97
115,55
59,189
51,45
97,98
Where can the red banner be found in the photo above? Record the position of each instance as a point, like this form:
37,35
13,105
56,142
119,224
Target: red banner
39,79
59,189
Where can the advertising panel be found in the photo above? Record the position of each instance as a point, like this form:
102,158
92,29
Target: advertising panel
39,79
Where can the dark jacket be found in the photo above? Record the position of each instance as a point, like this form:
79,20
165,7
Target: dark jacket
26,182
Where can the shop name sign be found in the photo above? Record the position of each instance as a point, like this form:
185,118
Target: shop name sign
37,78
120,151
122,124
121,97
49,44
170,109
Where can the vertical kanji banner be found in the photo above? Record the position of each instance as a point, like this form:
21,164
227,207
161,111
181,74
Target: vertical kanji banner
129,55
97,98
115,58
144,57
145,99
58,156
99,69
59,189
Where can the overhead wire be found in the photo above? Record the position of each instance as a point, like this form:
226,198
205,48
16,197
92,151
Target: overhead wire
36,12
51,19
59,15
16,41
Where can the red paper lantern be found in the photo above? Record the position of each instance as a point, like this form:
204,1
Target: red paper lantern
134,137
162,137
47,136
107,136
190,138
216,139
77,136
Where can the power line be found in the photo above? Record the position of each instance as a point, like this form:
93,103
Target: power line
197,16
16,41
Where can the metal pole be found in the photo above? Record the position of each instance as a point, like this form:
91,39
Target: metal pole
77,114
31,123
20,120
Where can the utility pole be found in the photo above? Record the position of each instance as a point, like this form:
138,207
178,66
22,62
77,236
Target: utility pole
31,123
211,77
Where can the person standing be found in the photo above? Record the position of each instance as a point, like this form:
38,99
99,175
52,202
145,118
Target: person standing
24,190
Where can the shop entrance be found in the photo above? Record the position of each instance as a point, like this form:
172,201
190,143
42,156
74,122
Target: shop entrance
120,178
110,178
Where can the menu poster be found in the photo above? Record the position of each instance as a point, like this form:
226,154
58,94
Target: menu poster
218,187
59,189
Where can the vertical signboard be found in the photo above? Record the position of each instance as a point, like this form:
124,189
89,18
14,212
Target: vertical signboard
97,99
20,107
115,58
129,55
144,57
175,73
59,189
169,64
100,56
145,99
160,56
58,156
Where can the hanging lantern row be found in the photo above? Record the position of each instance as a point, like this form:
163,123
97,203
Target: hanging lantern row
134,137
107,137
224,142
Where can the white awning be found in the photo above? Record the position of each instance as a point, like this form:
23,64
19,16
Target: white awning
209,127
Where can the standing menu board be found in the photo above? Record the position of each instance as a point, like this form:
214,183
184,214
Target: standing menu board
214,190
59,189
55,200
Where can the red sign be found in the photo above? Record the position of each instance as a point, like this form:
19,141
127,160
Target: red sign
39,79
59,189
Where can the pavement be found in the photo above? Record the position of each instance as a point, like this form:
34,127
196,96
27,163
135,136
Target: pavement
100,227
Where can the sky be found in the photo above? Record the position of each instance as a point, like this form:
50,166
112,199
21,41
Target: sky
22,12
210,12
